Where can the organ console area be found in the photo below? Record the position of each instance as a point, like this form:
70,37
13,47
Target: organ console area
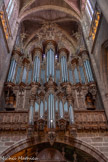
51,85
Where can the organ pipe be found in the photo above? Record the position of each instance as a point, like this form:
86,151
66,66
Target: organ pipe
29,76
64,69
76,75
18,75
51,112
66,107
24,75
61,109
41,109
12,71
50,64
36,69
36,107
88,71
31,121
91,75
71,114
82,74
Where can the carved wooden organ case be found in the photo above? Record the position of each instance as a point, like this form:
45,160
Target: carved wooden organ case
50,85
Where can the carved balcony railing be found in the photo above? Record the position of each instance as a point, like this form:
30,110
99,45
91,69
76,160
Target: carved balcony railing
84,120
91,120
13,121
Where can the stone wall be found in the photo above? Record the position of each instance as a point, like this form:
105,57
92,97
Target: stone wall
7,139
96,139
101,38
92,130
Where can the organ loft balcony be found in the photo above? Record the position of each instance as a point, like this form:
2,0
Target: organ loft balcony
84,121
52,117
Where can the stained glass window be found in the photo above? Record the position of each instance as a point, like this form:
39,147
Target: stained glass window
89,9
10,8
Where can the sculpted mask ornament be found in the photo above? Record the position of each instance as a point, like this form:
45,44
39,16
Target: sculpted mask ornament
90,101
51,137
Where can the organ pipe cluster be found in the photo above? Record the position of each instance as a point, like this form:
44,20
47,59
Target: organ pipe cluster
58,66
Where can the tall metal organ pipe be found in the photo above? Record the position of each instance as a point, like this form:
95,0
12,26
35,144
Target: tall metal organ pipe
50,64
51,112
31,112
64,69
71,114
36,69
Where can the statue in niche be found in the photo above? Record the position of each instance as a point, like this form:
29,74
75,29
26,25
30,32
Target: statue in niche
75,157
89,101
10,99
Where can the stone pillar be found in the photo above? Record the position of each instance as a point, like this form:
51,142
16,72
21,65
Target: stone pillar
103,4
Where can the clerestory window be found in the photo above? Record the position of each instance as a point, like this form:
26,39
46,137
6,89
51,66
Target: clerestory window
9,8
89,9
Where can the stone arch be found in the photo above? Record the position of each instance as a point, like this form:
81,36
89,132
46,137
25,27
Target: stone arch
67,1
65,140
47,7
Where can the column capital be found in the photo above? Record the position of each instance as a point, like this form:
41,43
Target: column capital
50,44
37,52
63,52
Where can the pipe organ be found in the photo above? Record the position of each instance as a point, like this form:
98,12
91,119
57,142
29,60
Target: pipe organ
51,85
38,74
